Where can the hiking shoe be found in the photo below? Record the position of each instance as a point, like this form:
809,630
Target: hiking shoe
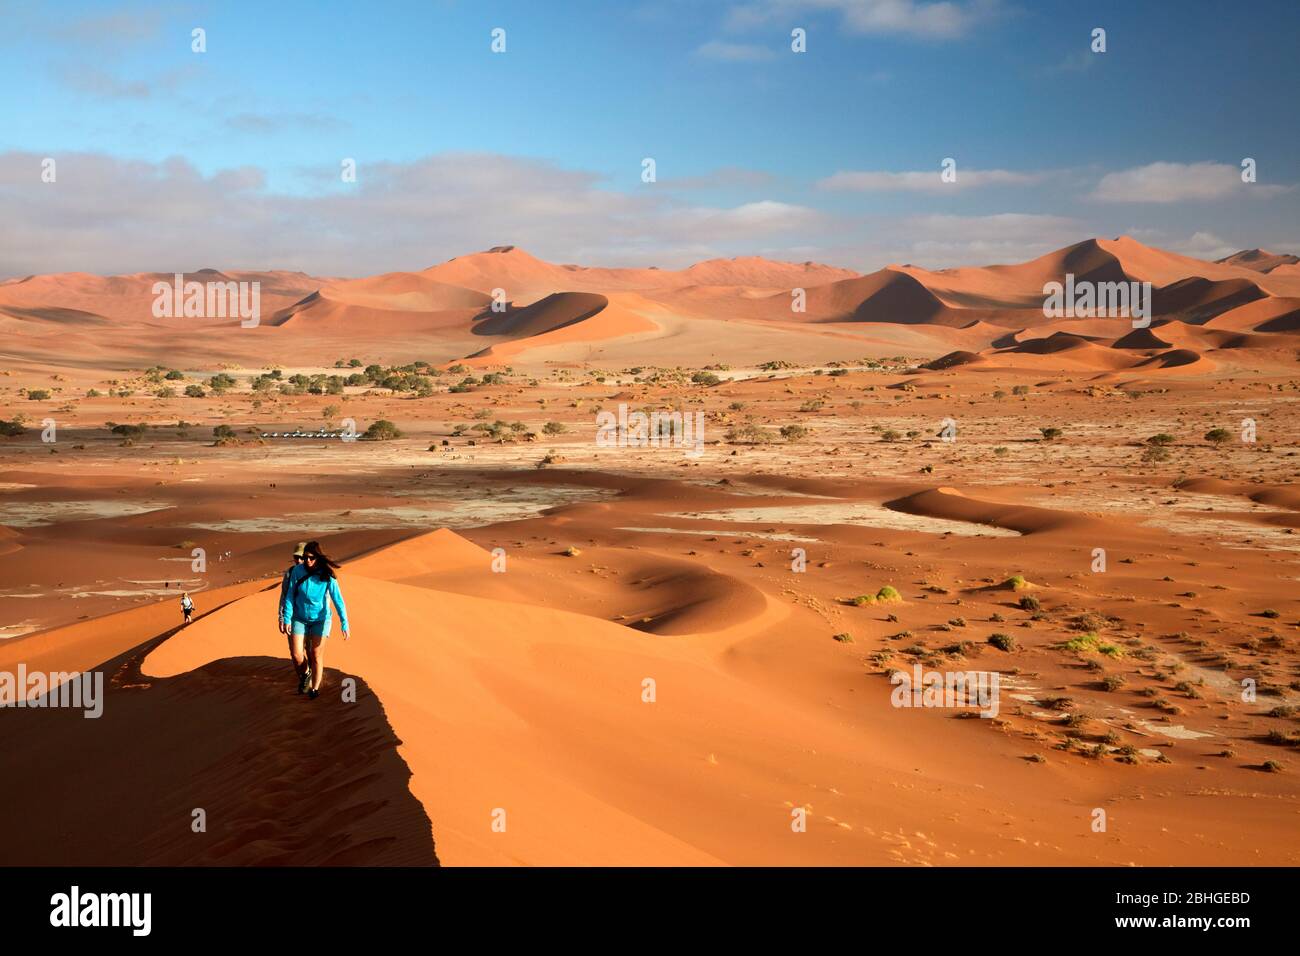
304,682
313,693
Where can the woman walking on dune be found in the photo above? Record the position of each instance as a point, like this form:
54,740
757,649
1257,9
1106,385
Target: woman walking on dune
305,606
297,649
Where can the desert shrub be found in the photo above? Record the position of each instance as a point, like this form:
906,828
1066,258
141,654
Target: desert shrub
11,428
1003,642
705,378
1091,642
1016,582
382,430
1051,434
844,638
554,428
794,433
37,394
223,431
1088,621
1217,436
750,434
1162,439
194,391
1029,603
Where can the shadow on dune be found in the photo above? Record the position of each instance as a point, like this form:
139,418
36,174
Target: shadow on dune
556,311
283,780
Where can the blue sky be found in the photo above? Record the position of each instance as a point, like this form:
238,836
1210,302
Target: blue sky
167,158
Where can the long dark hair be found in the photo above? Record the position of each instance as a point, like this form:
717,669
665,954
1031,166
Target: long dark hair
325,565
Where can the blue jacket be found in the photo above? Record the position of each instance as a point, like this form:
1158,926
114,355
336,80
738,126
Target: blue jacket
306,597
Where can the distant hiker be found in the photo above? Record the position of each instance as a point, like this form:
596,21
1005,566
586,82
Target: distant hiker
187,606
297,653
311,588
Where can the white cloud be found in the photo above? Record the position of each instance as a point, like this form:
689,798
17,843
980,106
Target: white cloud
111,216
942,241
946,241
1204,245
928,182
1163,182
754,218
1199,245
942,20
724,177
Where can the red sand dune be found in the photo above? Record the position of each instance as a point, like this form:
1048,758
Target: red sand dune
1184,359
130,298
565,319
1061,350
1279,496
884,296
1099,260
523,276
645,315
486,699
1140,339
553,312
1259,260
955,359
953,505
557,314
1265,315
1195,300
